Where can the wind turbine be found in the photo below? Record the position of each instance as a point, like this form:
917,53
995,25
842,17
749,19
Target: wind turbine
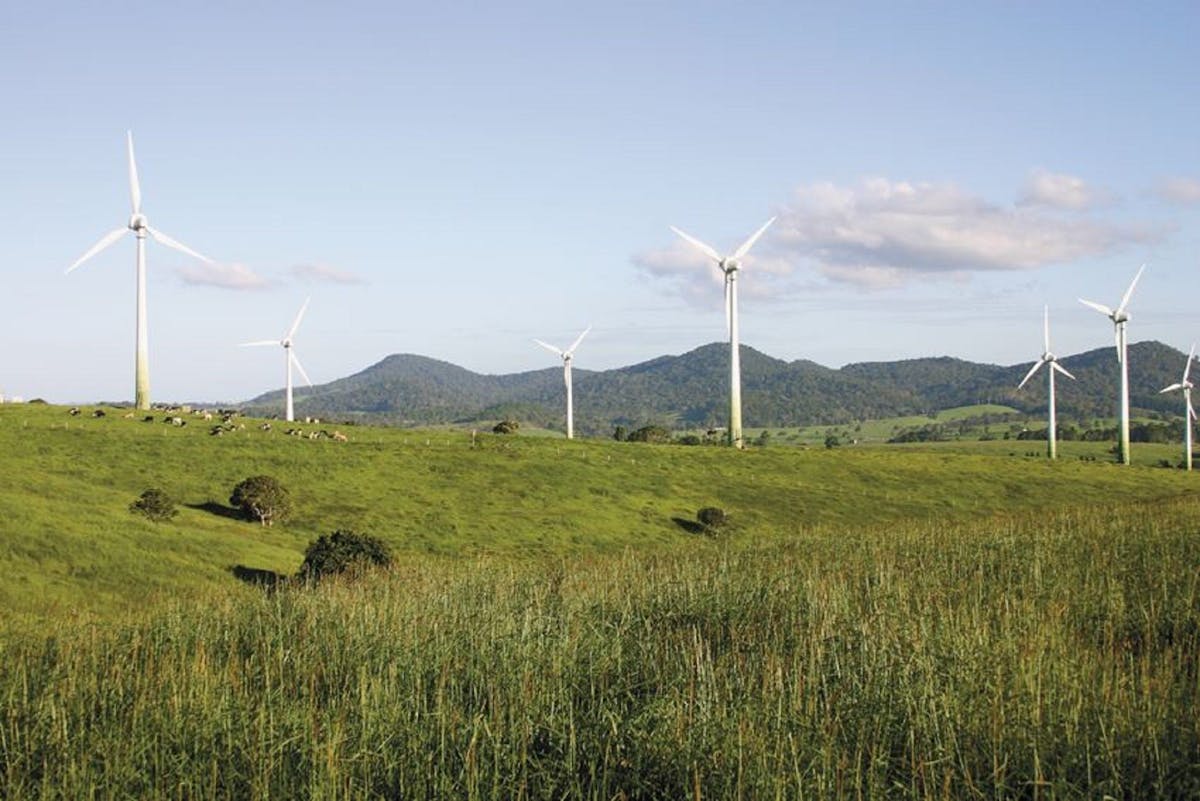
729,266
1051,361
1189,413
567,355
1120,319
137,223
289,356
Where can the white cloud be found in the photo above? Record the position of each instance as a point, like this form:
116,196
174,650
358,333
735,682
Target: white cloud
1060,191
225,276
1181,190
881,234
325,272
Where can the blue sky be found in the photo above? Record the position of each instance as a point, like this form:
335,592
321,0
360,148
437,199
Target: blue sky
454,181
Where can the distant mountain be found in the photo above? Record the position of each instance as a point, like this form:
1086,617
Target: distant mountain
691,390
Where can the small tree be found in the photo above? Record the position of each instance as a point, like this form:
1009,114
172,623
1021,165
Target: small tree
712,518
832,441
155,504
262,498
619,433
343,551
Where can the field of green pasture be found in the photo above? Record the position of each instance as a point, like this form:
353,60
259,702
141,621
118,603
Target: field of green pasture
71,546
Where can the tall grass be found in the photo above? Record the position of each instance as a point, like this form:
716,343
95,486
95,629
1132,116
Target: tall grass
1009,657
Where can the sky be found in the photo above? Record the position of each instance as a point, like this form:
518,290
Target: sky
454,181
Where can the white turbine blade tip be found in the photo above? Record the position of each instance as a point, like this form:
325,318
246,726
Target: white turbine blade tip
578,339
708,250
1062,370
749,243
1129,292
549,347
105,241
1032,370
259,342
1107,312
1171,388
162,238
135,189
300,367
296,323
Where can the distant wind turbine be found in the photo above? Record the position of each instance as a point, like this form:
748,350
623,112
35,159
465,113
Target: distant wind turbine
1051,361
567,355
289,356
1189,413
729,266
1119,319
139,226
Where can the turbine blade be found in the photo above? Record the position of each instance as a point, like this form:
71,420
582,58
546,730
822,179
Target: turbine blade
104,242
728,308
1046,326
705,249
295,361
259,342
749,243
1171,388
1032,370
1188,367
1107,312
1061,369
1129,292
578,339
1191,410
162,238
549,347
291,332
135,189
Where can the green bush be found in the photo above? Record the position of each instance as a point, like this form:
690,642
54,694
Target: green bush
262,498
155,504
649,434
343,551
712,518
506,427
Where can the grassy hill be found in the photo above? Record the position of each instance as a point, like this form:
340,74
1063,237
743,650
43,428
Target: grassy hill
690,390
71,545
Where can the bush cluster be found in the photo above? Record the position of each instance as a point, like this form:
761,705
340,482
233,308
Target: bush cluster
341,552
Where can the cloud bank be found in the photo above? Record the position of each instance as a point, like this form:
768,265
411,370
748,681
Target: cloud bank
325,272
1179,190
881,233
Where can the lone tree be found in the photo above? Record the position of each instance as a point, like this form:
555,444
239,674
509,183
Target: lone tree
506,427
155,504
343,551
262,498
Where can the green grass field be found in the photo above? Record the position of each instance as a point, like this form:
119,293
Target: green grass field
915,622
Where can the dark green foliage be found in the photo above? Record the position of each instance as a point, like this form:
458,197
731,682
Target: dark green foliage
649,434
689,439
832,441
506,427
619,433
155,504
343,551
712,518
763,439
262,498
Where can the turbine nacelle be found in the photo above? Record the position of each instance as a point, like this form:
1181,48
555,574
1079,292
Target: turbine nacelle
729,265
137,222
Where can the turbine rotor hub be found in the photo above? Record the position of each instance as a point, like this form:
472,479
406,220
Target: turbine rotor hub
137,222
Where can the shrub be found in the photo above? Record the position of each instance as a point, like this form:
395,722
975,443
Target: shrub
155,504
262,498
649,434
712,518
690,439
343,551
832,441
506,427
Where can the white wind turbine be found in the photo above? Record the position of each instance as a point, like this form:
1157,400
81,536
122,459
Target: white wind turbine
1120,319
1051,361
137,223
566,356
729,266
289,356
1189,413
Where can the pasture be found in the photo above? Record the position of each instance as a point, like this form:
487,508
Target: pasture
911,622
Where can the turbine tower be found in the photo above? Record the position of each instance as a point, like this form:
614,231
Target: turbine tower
567,355
729,266
1051,361
1189,413
289,357
1120,319
137,223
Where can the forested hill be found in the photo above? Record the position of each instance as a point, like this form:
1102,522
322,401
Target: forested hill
691,390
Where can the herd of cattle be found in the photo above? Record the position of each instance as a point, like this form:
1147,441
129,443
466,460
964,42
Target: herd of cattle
229,422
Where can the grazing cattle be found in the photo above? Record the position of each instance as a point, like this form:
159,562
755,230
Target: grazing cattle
128,415
98,413
265,427
73,411
216,431
338,436
148,418
207,416
178,422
